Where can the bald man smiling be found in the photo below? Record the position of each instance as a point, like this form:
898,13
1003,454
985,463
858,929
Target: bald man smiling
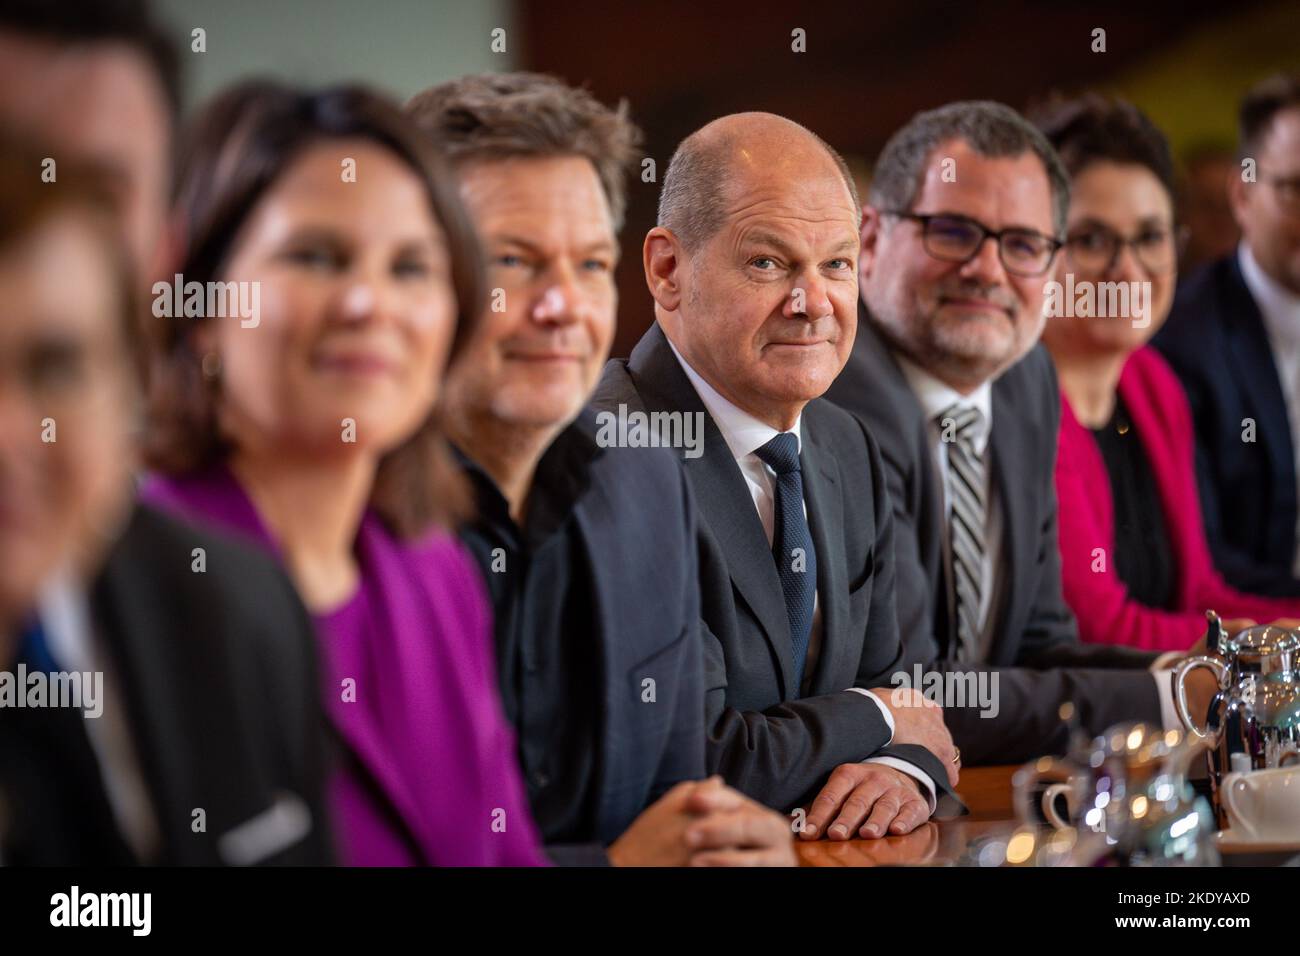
753,269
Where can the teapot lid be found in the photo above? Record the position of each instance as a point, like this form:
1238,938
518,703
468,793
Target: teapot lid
1262,640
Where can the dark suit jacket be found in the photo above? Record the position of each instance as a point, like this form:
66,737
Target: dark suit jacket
636,523
218,674
1036,652
1216,342
762,737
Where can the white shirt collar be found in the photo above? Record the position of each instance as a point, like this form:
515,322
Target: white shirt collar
1279,307
743,433
936,396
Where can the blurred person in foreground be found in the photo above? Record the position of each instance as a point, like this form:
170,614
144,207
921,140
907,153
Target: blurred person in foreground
157,684
98,82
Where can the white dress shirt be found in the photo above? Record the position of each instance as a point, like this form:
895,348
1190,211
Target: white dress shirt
1279,307
744,435
935,397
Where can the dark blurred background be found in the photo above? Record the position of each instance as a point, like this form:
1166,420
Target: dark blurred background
866,68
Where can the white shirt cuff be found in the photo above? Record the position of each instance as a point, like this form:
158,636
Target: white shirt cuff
1165,690
884,710
913,771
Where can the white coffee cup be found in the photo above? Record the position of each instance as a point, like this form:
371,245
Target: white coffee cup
1263,804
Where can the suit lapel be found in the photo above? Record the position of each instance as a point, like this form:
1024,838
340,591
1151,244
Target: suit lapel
619,764
931,522
724,497
161,679
1009,441
1250,354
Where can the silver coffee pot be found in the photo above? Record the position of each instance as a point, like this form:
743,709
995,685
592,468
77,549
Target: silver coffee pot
1254,718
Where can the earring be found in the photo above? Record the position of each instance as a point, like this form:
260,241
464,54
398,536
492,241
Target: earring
210,365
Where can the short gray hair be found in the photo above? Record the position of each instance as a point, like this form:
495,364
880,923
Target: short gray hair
692,201
991,129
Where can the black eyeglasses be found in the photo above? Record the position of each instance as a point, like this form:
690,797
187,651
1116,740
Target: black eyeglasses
1096,249
1023,252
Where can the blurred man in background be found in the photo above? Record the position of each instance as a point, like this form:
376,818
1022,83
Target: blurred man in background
1233,338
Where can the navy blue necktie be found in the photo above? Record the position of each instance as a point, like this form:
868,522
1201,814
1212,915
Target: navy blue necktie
792,546
33,649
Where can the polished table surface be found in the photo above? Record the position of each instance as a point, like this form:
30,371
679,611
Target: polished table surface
986,791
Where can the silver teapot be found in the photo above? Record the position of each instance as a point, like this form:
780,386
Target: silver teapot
1254,718
1128,799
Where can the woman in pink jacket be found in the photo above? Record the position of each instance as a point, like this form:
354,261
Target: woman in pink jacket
1136,567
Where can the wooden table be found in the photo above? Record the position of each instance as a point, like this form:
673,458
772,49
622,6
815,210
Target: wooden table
986,791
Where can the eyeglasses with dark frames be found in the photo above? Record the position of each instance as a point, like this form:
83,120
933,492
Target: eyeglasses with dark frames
951,238
1097,248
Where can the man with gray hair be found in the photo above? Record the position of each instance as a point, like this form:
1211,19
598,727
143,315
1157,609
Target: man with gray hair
753,272
965,216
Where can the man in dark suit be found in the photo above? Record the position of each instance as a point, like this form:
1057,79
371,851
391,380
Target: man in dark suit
588,551
158,693
965,208
752,271
1233,337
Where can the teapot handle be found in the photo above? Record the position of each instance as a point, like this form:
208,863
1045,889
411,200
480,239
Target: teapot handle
1184,668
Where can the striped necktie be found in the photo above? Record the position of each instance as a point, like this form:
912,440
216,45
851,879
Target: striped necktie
958,428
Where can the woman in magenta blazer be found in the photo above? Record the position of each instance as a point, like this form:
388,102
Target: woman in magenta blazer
326,274
1134,558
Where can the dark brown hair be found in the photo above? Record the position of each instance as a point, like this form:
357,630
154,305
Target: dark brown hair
1260,106
504,115
1093,128
235,150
